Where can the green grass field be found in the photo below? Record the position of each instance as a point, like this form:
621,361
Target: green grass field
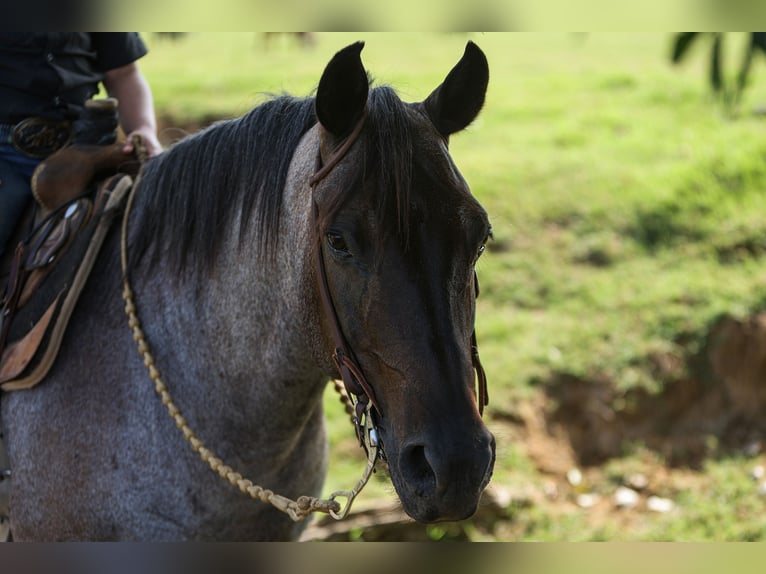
628,211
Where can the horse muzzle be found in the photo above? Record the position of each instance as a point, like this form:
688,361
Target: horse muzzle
442,480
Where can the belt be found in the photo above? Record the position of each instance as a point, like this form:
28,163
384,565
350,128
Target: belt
37,137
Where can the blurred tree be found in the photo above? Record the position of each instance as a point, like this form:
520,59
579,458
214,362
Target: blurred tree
729,94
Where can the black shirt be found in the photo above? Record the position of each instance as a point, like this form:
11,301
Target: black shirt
52,74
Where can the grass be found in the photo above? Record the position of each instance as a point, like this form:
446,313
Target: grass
627,208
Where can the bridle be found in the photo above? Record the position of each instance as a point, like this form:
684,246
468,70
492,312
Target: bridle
358,388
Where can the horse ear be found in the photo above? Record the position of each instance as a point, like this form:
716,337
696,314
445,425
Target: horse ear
342,92
457,101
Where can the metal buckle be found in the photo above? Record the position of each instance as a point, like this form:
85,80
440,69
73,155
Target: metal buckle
40,137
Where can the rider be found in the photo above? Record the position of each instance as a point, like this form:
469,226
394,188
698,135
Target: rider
45,80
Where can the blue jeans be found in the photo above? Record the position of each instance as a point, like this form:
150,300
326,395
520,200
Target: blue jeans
15,190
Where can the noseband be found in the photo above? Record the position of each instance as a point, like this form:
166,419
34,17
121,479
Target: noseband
357,387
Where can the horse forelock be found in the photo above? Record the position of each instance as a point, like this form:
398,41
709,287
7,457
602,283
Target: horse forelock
393,147
385,165
408,162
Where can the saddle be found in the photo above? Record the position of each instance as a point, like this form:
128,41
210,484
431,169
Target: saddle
74,209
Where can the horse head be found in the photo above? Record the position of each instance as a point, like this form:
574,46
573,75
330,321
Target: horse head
399,235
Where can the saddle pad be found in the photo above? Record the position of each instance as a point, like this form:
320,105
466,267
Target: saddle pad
38,328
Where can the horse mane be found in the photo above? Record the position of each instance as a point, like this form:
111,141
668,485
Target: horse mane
238,169
392,150
234,168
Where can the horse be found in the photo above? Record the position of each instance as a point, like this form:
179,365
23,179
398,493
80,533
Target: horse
223,239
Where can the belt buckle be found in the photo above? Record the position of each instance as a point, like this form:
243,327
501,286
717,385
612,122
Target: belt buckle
40,137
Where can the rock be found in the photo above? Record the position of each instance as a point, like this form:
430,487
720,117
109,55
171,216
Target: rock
657,504
759,472
574,476
500,496
551,490
587,500
625,497
637,481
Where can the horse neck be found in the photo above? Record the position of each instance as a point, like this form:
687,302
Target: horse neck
246,332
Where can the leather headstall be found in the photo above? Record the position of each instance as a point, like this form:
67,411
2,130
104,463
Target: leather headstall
357,387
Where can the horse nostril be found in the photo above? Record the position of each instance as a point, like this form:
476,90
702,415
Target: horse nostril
418,470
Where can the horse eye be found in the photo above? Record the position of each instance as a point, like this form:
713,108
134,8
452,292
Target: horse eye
483,246
337,243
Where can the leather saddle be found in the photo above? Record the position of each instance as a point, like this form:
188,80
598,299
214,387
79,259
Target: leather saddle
79,191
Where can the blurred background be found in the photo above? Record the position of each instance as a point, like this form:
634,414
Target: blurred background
622,321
